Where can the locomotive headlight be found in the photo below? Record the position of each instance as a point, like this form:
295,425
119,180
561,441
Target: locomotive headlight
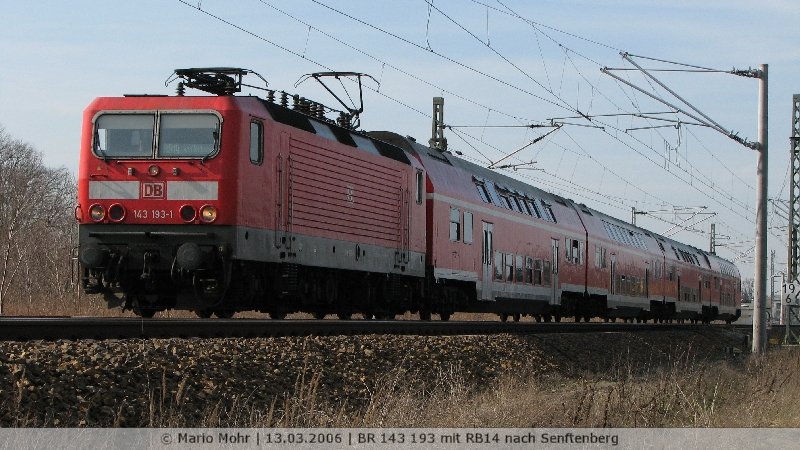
116,212
153,170
97,212
208,213
188,213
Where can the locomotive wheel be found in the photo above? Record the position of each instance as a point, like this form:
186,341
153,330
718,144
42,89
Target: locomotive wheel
344,316
224,313
203,313
277,315
517,316
503,317
445,316
425,315
145,313
319,315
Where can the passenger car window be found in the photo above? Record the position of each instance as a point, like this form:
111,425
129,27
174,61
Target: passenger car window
455,224
467,227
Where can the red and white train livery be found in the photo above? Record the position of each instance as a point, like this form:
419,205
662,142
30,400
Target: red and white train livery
224,203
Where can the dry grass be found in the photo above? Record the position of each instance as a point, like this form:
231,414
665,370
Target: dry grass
722,394
760,392
753,393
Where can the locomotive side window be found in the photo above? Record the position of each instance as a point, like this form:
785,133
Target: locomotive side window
498,266
467,227
188,135
519,268
256,142
124,136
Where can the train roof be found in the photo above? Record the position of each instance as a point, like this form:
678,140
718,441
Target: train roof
331,130
479,173
399,148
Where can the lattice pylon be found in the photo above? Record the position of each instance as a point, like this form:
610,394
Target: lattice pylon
794,192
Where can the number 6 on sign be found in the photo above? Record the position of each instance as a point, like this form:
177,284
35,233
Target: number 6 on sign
791,293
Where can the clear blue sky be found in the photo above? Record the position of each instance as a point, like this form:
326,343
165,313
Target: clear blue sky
542,61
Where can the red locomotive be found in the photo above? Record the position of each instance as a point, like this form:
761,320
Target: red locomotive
225,203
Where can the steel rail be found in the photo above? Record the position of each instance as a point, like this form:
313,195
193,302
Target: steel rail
77,328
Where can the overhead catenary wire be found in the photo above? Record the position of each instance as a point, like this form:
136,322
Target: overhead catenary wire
712,123
496,52
566,55
338,40
747,210
445,57
303,55
385,63
532,23
454,61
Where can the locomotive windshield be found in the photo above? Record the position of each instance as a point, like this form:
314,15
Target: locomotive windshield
180,135
124,135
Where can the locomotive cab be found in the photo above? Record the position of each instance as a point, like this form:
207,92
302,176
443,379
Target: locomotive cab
149,207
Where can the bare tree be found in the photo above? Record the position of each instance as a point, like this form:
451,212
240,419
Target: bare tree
37,231
748,287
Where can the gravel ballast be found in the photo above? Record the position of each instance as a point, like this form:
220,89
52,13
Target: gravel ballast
126,382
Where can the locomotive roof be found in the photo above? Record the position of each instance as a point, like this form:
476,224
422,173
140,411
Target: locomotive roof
345,136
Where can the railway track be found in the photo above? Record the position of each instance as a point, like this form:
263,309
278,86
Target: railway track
73,328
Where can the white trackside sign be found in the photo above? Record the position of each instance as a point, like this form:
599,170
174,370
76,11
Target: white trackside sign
791,293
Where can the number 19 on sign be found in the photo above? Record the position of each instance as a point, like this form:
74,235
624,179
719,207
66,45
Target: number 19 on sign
791,293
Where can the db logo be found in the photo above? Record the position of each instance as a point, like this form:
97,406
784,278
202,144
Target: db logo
153,190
